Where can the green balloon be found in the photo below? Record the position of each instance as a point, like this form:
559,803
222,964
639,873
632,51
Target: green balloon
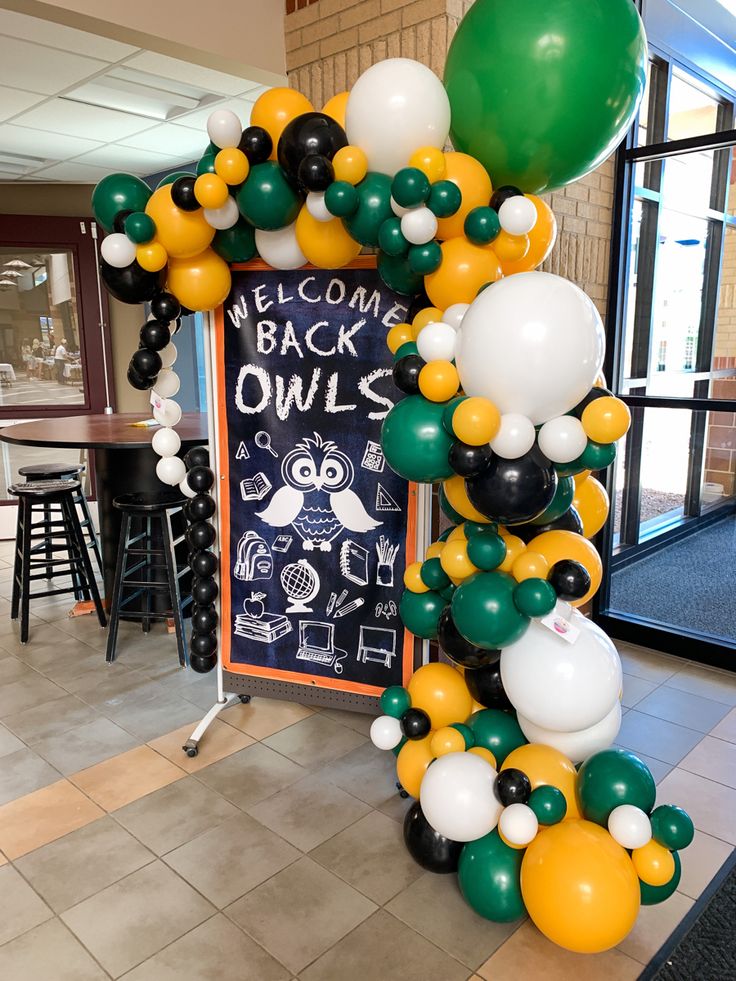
448,592
450,412
548,803
482,226
170,178
433,575
414,443
569,469
672,827
498,731
651,895
341,199
522,76
398,275
116,193
612,777
397,749
374,207
391,238
410,187
597,456
424,259
420,613
534,597
406,349
206,164
447,509
267,200
476,528
444,199
561,502
446,533
395,701
486,549
236,244
140,227
484,611
489,878
466,732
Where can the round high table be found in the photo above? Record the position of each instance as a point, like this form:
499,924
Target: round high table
124,460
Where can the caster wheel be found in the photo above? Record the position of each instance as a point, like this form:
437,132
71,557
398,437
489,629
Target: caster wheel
403,794
191,752
244,699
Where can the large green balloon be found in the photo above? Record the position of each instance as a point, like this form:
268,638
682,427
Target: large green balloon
489,878
651,895
236,244
561,502
542,91
420,613
414,441
612,777
398,275
374,207
498,731
484,611
116,193
267,199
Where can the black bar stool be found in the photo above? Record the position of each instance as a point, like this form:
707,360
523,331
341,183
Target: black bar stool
147,566
38,543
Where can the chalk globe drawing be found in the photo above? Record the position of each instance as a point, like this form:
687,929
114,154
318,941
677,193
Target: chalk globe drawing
301,585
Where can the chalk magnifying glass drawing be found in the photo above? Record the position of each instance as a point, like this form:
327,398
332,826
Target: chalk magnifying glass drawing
263,442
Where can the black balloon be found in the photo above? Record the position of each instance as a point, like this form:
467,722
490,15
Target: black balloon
204,619
457,647
315,173
202,664
146,363
200,535
256,144
569,579
503,193
486,687
155,335
200,479
200,508
310,133
182,194
514,491
118,222
512,786
415,723
131,284
418,302
203,644
427,847
203,564
406,373
569,521
198,456
468,460
204,591
165,307
138,381
595,393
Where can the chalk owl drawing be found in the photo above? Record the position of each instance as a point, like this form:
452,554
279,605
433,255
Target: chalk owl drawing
316,499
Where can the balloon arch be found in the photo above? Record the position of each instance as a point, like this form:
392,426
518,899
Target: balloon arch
505,409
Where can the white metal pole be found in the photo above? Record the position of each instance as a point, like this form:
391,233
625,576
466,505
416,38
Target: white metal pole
108,410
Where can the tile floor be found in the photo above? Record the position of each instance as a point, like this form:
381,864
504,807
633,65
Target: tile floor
276,853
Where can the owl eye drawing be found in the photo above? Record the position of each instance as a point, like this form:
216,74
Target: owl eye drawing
316,499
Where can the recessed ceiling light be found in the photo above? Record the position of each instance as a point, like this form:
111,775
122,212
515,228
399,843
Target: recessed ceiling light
18,264
140,94
7,282
12,272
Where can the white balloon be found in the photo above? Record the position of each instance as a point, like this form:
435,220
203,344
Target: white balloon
166,442
224,217
517,215
169,414
562,439
117,250
386,732
454,315
186,489
560,685
518,824
419,226
168,355
316,206
436,342
280,249
167,383
630,826
533,344
515,436
457,796
224,128
171,470
576,746
398,209
395,107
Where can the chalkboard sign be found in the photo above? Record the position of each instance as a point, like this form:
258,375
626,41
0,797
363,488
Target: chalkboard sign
316,530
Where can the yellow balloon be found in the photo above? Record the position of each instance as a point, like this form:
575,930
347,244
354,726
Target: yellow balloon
412,762
558,545
457,495
454,560
529,565
606,419
458,532
476,421
413,578
232,165
152,257
430,161
510,247
541,240
654,864
181,233
580,477
515,547
435,550
592,504
485,754
351,164
447,740
546,767
210,191
398,335
275,109
326,244
429,315
335,109
439,381
579,887
476,189
441,692
201,282
464,269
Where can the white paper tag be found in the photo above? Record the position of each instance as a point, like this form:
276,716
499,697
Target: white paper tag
156,401
560,626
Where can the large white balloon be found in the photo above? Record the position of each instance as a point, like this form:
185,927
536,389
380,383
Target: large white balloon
396,106
166,442
167,383
117,250
559,685
576,746
168,413
454,314
171,470
280,249
457,796
533,344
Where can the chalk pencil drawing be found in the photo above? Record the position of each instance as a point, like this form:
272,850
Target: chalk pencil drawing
386,558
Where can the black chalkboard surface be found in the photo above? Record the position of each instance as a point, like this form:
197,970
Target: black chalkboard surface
316,530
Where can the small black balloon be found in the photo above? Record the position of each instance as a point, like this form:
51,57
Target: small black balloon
569,521
569,579
138,381
457,647
256,144
204,591
200,535
406,373
203,563
203,644
165,307
467,460
597,392
200,508
514,491
486,687
512,786
419,301
155,335
503,193
204,619
427,847
415,723
198,456
310,133
315,173
182,194
200,479
118,222
131,284
202,664
146,363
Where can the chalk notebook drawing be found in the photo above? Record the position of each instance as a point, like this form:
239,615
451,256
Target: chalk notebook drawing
304,379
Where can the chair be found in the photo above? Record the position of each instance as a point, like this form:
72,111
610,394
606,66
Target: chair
55,544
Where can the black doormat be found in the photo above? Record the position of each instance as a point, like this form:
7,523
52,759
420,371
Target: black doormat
703,947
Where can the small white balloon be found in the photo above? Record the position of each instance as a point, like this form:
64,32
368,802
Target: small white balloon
629,826
224,128
171,470
579,744
186,489
316,206
436,342
280,249
168,413
563,439
168,355
515,436
386,732
457,796
517,215
518,824
419,226
166,442
398,209
167,383
117,250
224,217
454,315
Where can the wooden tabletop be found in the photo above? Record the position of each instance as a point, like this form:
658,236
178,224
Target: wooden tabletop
100,432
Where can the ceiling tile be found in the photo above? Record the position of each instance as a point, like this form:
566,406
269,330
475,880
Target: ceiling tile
74,173
13,101
182,71
198,118
38,69
115,157
38,143
77,119
176,141
65,38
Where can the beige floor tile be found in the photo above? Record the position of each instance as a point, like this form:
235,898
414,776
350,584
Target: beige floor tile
44,816
529,954
700,862
353,720
653,925
710,805
650,665
21,908
218,742
3,860
251,775
48,951
726,728
127,777
714,759
262,717
315,741
700,680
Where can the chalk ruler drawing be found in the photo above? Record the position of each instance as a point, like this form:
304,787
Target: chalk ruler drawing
384,501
